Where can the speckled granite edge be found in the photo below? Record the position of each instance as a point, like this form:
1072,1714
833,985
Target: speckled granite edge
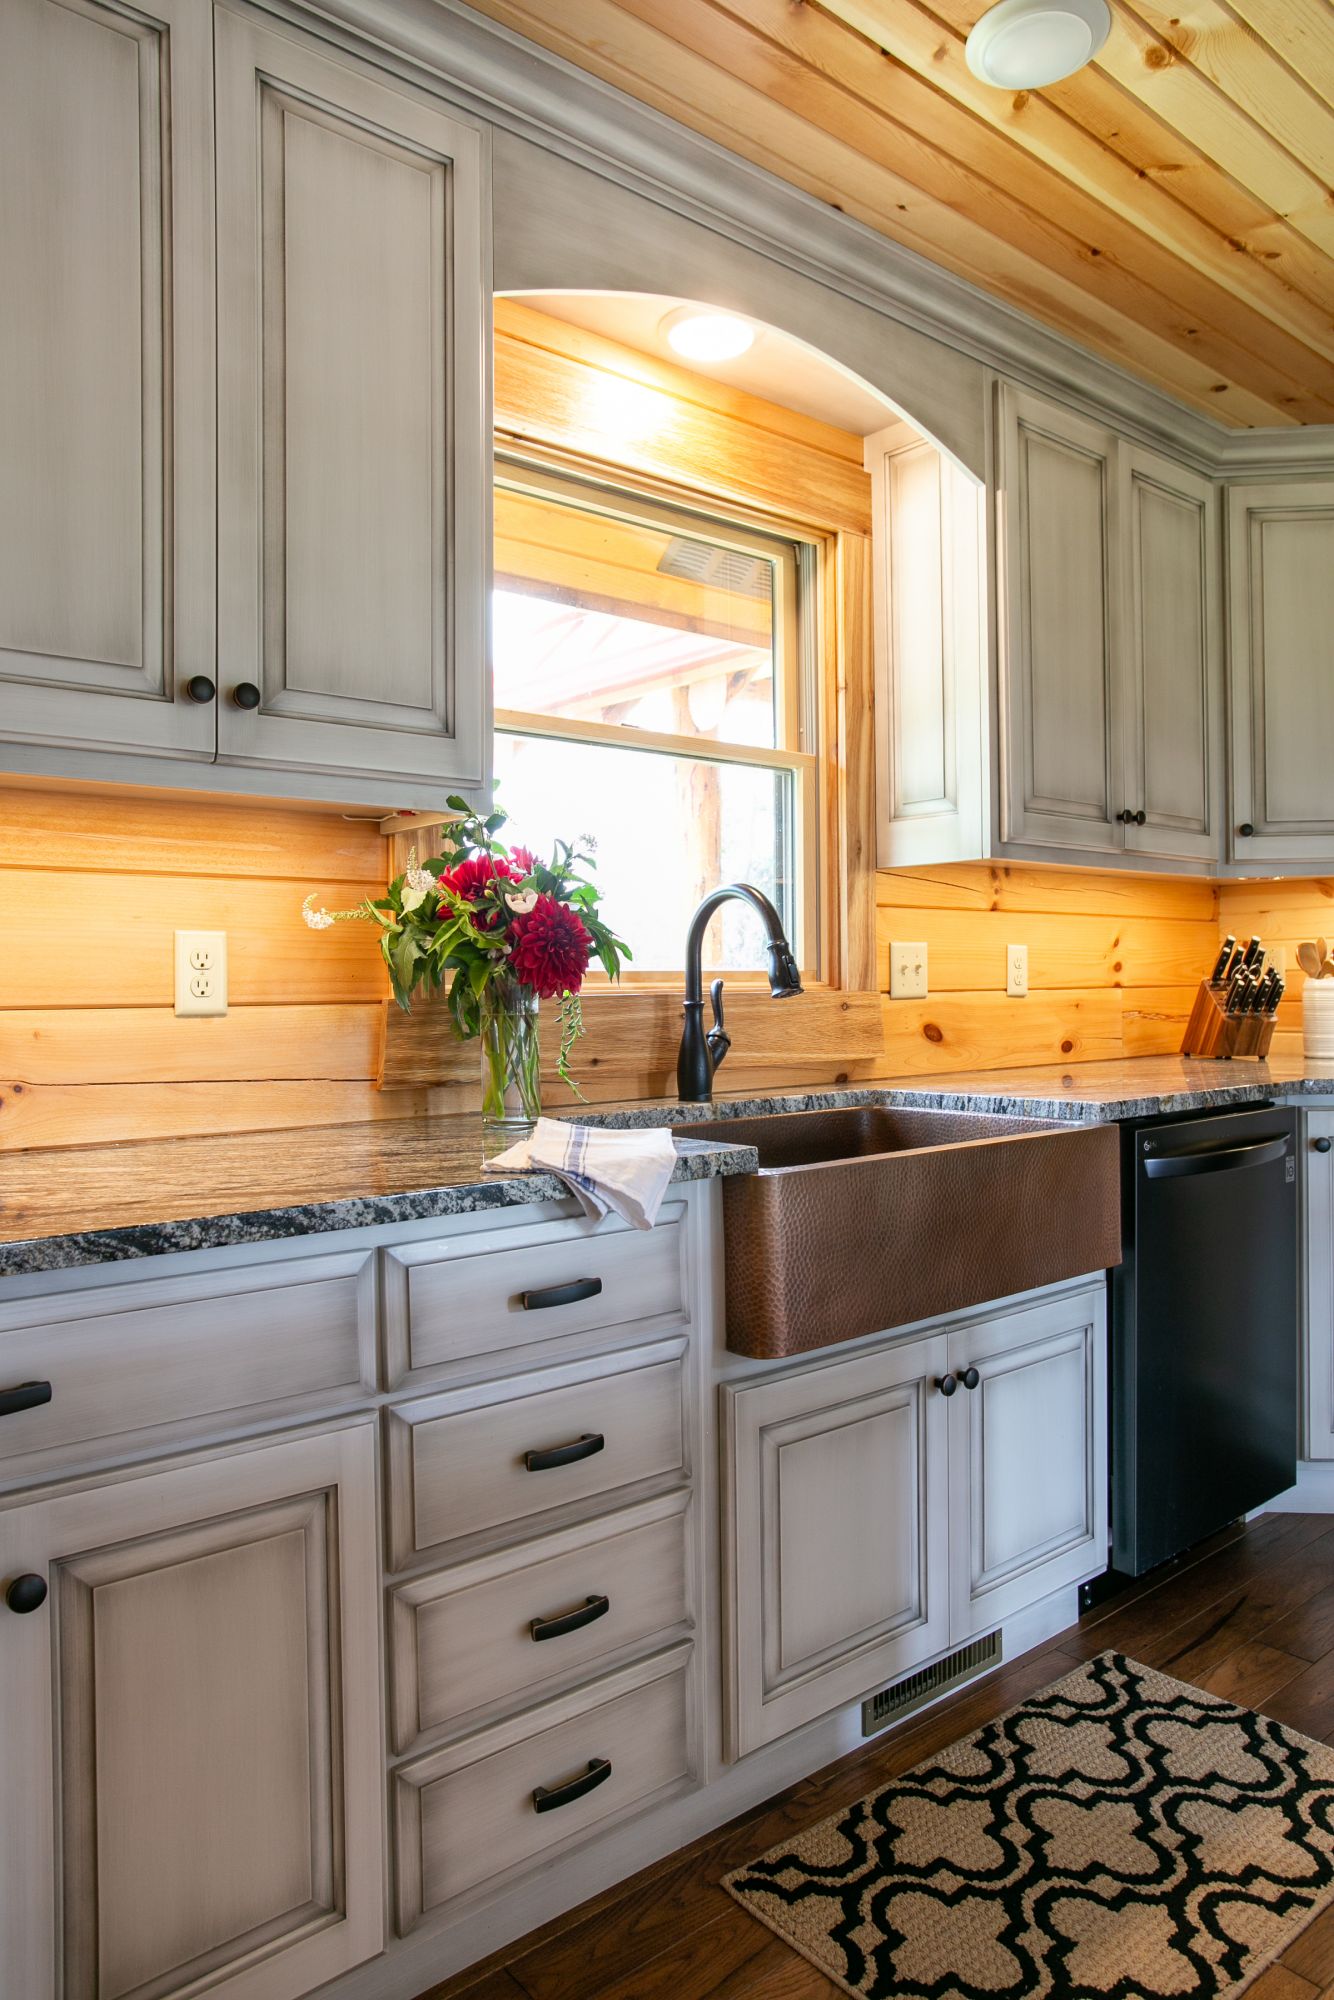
699,1161
1090,1110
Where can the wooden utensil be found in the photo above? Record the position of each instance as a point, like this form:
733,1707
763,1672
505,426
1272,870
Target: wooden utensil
1310,960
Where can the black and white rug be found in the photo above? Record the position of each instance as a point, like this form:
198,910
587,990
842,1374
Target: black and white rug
1120,1835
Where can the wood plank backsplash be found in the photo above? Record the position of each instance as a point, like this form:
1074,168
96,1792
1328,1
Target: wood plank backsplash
101,880
1285,914
92,886
1113,963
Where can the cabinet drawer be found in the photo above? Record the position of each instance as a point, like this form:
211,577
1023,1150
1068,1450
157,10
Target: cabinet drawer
490,1292
470,1814
500,1452
512,1625
217,1346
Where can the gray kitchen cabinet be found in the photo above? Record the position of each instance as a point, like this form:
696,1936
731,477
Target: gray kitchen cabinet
1104,741
1318,1284
1171,677
106,376
191,1730
1281,630
1028,1457
1061,621
836,1535
355,450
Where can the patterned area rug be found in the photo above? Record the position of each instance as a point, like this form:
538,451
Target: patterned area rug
1120,1834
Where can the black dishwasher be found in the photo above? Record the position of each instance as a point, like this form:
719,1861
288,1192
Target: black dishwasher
1204,1329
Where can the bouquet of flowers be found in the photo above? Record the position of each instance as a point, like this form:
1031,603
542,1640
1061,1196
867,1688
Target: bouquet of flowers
501,930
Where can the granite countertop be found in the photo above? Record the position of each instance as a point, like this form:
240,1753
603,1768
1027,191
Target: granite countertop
99,1204
144,1198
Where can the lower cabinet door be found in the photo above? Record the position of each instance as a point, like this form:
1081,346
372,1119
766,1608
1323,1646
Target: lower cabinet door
1028,1457
836,1535
190,1733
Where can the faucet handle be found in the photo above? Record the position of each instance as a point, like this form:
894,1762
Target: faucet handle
718,1039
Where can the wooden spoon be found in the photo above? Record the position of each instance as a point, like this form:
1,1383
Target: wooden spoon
1310,960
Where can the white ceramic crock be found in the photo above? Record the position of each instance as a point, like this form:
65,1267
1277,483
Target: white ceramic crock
1318,1019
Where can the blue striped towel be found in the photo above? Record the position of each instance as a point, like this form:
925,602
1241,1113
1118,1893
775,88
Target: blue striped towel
605,1168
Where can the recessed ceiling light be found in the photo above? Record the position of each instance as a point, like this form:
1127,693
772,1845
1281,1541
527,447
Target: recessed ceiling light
707,336
1026,44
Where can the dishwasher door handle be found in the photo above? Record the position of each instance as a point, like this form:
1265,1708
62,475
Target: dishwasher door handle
1216,1159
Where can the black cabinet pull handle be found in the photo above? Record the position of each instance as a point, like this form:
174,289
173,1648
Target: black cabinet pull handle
27,1396
970,1378
947,1384
246,695
561,1295
26,1593
200,688
548,1797
565,1454
1322,1145
1246,830
588,1613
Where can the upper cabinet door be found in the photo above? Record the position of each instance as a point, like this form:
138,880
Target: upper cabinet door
106,375
354,460
1281,629
1173,666
930,652
1059,574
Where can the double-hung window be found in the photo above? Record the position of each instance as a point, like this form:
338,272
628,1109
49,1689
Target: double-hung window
655,688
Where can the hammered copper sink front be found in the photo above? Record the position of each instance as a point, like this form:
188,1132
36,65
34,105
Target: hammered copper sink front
866,1217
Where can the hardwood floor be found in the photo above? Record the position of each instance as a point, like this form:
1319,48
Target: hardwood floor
1249,1616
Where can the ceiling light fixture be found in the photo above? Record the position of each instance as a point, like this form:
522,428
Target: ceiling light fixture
707,336
1027,44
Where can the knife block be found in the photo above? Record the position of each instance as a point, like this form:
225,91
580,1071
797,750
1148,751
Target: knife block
1212,1032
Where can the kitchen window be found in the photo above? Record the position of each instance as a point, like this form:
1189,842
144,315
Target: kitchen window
654,688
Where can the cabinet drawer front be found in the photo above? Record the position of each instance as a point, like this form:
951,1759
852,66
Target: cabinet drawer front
481,1635
138,1357
482,1295
460,1463
468,1815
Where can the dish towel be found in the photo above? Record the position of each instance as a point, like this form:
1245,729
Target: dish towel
627,1172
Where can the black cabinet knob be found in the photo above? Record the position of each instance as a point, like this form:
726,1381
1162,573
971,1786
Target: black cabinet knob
1245,829
246,695
948,1384
26,1593
1123,818
970,1378
1140,817
200,688
1322,1145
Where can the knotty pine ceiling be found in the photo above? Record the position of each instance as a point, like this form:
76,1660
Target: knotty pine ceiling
1170,206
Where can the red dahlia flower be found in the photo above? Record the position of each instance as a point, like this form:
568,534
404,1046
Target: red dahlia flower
524,859
469,878
551,949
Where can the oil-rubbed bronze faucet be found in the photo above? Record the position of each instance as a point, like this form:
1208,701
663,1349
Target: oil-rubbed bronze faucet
701,1053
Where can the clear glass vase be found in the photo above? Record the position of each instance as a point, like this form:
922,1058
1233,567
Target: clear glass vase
511,1078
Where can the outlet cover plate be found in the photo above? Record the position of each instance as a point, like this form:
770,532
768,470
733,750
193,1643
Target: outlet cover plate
201,972
1016,971
907,971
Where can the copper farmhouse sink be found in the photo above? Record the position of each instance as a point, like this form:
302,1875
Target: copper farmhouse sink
866,1217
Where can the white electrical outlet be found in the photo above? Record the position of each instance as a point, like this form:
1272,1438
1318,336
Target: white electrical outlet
1016,970
201,972
907,972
